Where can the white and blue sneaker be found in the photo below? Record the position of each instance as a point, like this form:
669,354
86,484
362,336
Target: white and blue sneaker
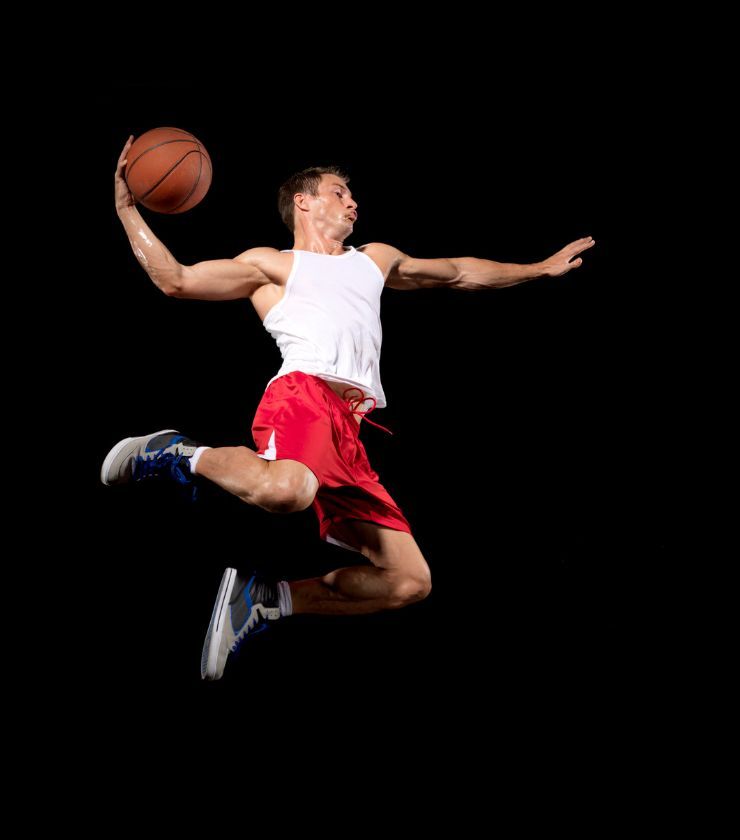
164,454
243,608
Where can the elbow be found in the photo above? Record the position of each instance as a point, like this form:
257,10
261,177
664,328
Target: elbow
172,285
458,274
173,291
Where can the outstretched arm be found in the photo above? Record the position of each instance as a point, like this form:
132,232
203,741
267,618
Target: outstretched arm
473,274
227,279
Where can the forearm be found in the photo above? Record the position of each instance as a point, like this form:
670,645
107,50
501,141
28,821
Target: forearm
475,274
164,270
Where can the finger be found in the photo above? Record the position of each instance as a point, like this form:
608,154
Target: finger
580,245
575,263
125,149
584,247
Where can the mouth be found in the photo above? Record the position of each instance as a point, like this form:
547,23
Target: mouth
352,217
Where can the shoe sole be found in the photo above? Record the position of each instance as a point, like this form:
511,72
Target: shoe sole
111,456
209,657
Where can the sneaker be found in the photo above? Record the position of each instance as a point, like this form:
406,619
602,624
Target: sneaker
243,608
163,454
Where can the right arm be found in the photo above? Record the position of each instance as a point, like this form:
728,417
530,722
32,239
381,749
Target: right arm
209,280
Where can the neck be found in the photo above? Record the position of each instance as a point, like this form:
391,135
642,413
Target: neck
318,244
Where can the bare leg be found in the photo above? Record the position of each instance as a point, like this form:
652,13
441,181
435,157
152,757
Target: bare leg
354,590
399,576
282,486
236,469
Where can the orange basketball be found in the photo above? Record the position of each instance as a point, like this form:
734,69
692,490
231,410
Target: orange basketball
168,170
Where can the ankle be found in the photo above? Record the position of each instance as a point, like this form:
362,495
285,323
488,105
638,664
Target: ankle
195,457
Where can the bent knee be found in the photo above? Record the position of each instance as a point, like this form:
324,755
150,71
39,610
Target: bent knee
290,493
410,588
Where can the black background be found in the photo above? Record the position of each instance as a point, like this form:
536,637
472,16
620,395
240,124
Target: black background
531,446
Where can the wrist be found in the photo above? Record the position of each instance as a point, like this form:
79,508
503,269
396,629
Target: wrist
126,210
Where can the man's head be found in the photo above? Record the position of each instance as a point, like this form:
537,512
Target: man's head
318,199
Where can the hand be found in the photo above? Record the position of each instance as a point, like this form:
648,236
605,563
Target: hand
560,263
124,196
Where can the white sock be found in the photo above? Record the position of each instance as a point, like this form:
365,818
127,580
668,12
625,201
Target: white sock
285,601
195,457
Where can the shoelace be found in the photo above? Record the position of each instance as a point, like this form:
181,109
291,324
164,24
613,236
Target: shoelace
167,463
252,618
354,402
237,644
251,625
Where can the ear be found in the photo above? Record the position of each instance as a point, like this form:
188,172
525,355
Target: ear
301,200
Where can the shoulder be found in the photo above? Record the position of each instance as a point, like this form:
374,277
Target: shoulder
381,249
274,264
254,255
387,257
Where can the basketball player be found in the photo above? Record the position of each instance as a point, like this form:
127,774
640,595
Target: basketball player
320,300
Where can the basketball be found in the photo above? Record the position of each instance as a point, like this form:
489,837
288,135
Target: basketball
168,170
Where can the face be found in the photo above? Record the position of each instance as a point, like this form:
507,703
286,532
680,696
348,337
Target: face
333,211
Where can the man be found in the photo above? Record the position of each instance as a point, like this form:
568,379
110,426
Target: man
320,301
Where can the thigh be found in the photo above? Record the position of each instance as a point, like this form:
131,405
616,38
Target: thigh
386,548
292,428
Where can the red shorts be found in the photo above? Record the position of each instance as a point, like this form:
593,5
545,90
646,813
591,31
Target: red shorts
302,419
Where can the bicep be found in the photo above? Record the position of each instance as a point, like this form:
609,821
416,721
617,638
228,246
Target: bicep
220,280
412,273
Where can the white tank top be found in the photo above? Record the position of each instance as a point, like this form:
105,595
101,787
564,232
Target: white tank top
328,321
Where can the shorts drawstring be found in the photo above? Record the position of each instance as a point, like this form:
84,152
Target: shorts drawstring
358,401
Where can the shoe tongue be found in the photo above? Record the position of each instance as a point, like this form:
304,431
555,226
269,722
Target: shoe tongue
260,592
236,593
265,592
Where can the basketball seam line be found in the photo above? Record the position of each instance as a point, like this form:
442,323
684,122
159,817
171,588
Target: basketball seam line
195,185
170,171
156,146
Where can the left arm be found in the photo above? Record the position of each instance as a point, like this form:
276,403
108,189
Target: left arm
473,274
